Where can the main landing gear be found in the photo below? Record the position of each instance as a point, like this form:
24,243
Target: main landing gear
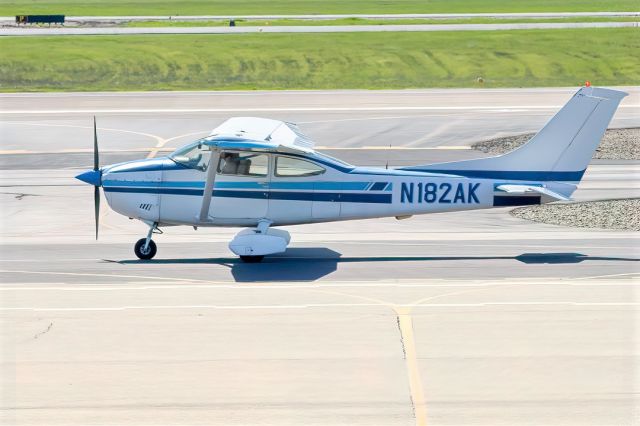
252,244
145,248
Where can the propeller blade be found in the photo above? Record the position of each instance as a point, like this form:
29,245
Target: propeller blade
96,204
96,156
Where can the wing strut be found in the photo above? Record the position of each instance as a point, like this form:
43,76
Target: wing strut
207,195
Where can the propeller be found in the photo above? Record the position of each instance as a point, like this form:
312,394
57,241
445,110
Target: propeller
94,176
96,168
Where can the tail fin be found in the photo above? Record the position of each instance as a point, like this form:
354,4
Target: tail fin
561,151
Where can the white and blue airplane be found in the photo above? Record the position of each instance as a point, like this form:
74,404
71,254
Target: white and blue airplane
261,174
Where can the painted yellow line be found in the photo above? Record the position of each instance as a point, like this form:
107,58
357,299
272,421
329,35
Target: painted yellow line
161,142
405,324
79,151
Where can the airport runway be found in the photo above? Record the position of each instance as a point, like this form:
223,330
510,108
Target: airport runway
60,31
471,318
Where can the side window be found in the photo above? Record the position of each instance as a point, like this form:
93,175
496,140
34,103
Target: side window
293,167
249,164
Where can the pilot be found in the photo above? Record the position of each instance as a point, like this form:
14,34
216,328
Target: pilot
228,163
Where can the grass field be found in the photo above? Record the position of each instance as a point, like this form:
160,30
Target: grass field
290,7
321,61
361,21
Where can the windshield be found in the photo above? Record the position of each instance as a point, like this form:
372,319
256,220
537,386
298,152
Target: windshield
194,156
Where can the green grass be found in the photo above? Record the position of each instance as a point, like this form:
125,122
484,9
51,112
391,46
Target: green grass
361,21
532,58
290,7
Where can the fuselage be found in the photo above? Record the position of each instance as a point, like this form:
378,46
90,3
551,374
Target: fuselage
288,189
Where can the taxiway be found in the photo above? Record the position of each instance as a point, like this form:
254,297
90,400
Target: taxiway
470,318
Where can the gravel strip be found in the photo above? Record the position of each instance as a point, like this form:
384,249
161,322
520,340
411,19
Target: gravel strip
609,214
617,144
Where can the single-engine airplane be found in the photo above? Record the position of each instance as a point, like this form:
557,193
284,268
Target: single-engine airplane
261,173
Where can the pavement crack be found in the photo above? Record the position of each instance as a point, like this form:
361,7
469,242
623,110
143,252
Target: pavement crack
19,195
404,350
416,390
37,336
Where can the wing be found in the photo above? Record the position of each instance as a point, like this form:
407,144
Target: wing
271,134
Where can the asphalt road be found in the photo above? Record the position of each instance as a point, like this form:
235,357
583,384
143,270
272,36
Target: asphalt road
59,31
470,318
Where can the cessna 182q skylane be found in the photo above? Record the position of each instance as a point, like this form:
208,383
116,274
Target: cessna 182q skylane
260,173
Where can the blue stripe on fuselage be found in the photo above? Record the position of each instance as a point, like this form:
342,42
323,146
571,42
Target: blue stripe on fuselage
274,195
509,175
320,186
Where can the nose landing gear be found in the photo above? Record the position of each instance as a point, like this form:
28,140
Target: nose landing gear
145,248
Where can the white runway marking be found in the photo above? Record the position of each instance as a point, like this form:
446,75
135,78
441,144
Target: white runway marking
630,274
288,109
263,109
323,305
397,117
101,275
227,285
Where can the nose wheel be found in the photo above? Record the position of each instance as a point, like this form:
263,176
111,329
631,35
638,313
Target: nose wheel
145,251
145,248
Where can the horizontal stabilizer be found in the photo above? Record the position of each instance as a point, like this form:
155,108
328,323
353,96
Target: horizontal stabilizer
522,189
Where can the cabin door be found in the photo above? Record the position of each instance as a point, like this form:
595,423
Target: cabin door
241,189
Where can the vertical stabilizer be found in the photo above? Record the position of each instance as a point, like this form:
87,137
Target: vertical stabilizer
561,151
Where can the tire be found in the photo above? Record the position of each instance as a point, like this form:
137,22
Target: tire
252,259
141,253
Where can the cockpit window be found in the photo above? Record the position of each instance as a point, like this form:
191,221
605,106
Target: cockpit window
194,156
243,164
293,167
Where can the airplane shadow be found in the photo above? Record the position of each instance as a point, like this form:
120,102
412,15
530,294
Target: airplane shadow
310,264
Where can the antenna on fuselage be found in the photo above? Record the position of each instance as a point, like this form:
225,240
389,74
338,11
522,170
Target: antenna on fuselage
386,166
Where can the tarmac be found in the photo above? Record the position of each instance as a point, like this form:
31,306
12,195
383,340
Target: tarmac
468,318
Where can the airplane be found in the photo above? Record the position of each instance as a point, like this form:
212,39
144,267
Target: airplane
262,174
